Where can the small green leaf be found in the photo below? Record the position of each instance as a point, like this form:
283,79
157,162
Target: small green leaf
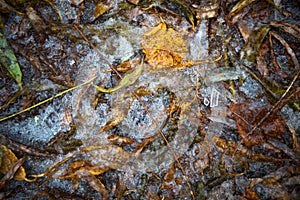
9,61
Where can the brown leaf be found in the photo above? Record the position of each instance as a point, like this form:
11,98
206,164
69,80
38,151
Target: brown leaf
36,21
8,161
253,44
247,117
239,7
116,139
292,29
135,2
170,173
98,186
237,18
244,30
165,185
127,65
140,147
76,2
111,123
119,113
288,49
250,194
11,172
262,66
79,169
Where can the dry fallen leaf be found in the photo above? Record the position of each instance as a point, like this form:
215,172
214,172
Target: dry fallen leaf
116,139
239,7
250,194
164,47
247,117
101,8
287,47
253,44
135,2
11,173
8,160
292,29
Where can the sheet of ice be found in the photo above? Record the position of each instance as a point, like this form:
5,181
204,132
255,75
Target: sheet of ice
137,124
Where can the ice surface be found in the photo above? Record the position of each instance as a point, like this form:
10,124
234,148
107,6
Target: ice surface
137,123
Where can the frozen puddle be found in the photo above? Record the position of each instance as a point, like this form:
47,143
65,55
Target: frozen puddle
137,123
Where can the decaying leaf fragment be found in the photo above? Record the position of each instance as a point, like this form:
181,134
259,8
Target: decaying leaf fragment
251,47
36,21
76,2
170,173
113,122
247,117
245,3
11,173
240,6
5,8
8,160
135,2
86,164
292,29
83,169
260,59
116,139
101,8
250,194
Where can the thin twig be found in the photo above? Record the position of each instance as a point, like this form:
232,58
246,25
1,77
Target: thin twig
20,147
168,144
46,100
97,51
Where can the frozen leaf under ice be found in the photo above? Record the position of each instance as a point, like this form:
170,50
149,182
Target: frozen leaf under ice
247,117
164,47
